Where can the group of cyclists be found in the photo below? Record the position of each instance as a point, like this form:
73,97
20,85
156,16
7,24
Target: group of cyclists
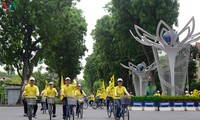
114,95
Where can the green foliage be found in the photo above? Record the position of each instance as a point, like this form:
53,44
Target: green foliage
97,85
2,90
164,98
84,86
28,30
66,53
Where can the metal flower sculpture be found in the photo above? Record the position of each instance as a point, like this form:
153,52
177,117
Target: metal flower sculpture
140,76
172,61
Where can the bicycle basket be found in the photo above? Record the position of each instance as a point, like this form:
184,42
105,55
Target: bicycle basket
50,100
80,100
31,101
71,101
125,101
43,100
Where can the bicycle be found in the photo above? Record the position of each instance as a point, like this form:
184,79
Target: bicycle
110,109
71,102
50,101
85,104
98,103
80,110
31,101
44,106
124,111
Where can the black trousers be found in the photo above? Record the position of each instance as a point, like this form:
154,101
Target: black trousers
25,105
64,101
108,101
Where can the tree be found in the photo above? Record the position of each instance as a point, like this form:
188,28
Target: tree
113,42
66,53
28,30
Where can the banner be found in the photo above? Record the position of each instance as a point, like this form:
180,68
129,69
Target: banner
61,85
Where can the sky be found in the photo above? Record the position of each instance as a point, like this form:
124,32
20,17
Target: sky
93,10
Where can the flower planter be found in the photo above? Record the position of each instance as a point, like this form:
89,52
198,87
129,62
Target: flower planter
165,106
190,106
150,106
178,106
138,106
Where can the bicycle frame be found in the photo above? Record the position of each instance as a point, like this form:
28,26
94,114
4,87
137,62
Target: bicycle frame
110,109
69,112
50,101
124,110
80,110
30,105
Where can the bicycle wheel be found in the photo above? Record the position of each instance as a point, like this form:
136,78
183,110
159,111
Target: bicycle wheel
125,113
94,105
110,110
72,113
102,105
30,112
81,111
114,111
43,108
85,105
50,110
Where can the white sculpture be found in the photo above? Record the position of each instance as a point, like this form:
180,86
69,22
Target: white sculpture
140,76
171,54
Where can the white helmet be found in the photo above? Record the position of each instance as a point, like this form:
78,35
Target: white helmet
50,83
119,80
32,78
67,78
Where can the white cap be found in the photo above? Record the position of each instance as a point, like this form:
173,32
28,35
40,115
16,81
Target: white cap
186,91
119,80
32,78
109,82
50,83
67,78
79,85
158,91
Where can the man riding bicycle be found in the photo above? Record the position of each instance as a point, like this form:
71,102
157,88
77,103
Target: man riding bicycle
31,90
52,92
119,93
67,91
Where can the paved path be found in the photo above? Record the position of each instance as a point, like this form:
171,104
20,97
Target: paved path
16,113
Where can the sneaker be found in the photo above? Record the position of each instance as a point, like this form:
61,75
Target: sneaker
25,115
117,118
53,115
34,116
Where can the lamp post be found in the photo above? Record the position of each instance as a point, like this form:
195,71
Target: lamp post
172,62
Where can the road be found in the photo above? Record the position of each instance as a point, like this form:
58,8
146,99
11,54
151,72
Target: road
16,113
